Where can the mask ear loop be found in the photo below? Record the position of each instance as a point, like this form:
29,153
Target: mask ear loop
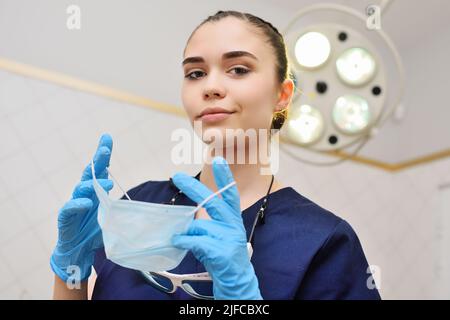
249,245
213,195
198,206
115,181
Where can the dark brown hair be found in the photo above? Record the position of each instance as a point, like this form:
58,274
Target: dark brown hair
274,39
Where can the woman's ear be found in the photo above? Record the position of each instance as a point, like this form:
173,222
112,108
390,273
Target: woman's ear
285,95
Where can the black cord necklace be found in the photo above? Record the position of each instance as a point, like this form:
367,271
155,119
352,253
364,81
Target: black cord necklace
260,216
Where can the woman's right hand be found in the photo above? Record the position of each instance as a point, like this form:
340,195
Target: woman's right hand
79,234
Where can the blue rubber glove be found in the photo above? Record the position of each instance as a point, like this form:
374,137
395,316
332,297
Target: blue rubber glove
219,244
79,234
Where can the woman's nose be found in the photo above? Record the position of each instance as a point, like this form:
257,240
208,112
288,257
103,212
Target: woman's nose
212,93
213,87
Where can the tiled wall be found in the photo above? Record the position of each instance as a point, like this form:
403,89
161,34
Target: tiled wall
49,133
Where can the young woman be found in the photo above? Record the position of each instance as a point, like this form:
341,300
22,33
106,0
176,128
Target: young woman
236,77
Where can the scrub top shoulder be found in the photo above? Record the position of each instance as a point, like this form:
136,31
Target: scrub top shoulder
302,251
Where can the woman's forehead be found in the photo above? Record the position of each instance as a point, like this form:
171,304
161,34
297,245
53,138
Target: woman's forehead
213,39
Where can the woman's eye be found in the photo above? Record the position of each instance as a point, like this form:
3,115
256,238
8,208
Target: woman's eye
188,76
242,71
195,75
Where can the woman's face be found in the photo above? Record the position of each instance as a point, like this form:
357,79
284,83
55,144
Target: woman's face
246,85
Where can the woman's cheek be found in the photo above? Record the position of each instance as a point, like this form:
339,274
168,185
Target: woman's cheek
187,100
190,108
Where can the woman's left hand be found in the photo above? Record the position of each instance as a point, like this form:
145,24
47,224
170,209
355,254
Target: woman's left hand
221,243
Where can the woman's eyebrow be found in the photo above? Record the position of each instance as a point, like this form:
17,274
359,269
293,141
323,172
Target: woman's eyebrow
228,55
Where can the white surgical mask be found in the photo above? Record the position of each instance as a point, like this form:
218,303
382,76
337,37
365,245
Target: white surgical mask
137,235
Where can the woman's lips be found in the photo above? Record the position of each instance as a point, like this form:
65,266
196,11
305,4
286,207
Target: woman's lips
215,117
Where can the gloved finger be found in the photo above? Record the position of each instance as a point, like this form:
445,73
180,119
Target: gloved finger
216,207
223,176
182,241
101,159
69,215
203,247
85,189
73,208
202,227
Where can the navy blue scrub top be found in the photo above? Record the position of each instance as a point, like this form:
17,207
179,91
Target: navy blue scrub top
302,251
